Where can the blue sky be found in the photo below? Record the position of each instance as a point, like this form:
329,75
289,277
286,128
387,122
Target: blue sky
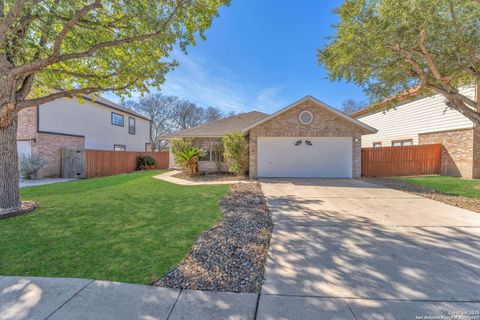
260,55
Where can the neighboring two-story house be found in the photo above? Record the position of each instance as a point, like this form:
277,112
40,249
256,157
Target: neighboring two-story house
86,124
428,120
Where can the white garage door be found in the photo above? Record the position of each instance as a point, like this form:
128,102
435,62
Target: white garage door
24,147
303,157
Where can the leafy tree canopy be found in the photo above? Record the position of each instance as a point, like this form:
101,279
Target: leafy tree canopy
83,46
51,49
402,49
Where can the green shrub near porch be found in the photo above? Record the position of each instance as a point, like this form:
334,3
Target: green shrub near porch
236,152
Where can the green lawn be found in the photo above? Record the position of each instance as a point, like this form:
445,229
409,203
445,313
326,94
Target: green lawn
129,227
450,185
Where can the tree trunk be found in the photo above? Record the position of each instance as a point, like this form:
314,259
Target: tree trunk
9,187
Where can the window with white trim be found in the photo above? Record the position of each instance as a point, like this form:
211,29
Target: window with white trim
119,147
117,119
131,125
402,143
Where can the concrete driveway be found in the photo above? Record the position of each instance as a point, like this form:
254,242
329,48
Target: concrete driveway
347,249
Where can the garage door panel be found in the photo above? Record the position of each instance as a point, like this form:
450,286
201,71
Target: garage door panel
326,157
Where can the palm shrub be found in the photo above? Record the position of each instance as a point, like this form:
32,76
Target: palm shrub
179,146
236,152
189,159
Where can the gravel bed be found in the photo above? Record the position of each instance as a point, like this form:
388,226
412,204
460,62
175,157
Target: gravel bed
223,176
454,200
232,255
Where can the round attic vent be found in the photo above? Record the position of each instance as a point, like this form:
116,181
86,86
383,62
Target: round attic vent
305,117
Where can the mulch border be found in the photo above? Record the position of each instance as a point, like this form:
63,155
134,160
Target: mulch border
24,208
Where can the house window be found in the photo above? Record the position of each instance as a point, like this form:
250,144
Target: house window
402,143
131,125
119,147
206,156
377,144
217,156
117,119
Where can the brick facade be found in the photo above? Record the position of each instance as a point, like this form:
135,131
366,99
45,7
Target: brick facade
476,152
48,146
325,124
461,151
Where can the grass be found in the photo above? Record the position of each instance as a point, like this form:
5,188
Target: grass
450,185
129,228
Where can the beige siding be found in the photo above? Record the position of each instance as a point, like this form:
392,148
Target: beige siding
93,121
409,120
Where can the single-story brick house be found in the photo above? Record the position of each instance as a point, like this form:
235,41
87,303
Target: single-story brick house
427,120
305,139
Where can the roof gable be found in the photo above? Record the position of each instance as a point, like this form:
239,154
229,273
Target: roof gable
318,103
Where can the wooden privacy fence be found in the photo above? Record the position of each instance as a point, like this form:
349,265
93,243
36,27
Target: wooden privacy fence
401,161
79,163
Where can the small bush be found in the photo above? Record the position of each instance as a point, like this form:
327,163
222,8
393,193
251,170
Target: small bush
178,147
189,160
28,166
236,152
145,162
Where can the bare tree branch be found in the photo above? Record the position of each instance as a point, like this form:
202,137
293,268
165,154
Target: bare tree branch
7,23
430,62
466,111
25,87
408,55
84,75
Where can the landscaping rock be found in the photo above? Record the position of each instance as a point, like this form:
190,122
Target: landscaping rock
454,200
232,255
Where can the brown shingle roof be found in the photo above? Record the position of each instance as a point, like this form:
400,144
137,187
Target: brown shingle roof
220,127
105,102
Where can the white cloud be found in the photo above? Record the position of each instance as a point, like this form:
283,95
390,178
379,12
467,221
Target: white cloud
209,84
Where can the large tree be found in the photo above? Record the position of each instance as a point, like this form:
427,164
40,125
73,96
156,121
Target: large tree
81,47
398,50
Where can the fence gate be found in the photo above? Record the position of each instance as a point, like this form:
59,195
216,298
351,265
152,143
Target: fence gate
73,163
401,161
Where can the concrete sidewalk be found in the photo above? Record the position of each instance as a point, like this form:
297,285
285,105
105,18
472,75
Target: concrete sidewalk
75,299
42,182
169,177
72,299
